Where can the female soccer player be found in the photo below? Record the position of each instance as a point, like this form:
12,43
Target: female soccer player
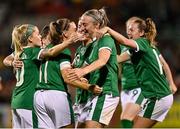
52,84
148,70
102,68
131,95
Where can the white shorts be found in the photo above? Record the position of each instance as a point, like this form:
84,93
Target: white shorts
22,118
99,108
53,109
157,109
132,96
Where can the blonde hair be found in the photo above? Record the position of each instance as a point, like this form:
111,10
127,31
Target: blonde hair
151,31
20,35
132,19
149,28
99,16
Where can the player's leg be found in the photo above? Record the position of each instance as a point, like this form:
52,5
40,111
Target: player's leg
131,104
93,124
142,122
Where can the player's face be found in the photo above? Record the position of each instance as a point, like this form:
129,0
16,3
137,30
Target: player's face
35,38
133,31
80,27
72,29
88,25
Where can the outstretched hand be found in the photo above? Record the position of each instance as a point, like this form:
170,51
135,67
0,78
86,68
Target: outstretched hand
75,37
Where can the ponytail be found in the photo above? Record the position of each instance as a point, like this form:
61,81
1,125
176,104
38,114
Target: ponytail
16,42
103,17
150,31
99,16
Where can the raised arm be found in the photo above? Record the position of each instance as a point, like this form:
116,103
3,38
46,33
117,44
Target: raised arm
119,37
168,74
55,50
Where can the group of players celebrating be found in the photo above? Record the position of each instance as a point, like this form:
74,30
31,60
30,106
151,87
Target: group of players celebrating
44,70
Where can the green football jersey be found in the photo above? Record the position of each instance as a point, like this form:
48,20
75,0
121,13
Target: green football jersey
128,77
107,76
149,70
82,52
27,78
50,77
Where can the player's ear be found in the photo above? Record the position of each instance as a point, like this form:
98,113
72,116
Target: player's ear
30,38
142,33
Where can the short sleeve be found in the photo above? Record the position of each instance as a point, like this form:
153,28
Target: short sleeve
142,44
106,42
65,56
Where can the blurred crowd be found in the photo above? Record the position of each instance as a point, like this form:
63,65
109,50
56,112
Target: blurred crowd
166,15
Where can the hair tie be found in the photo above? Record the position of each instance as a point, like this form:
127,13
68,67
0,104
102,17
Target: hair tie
28,32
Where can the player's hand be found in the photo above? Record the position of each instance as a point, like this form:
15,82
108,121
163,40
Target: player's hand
95,89
17,64
79,72
104,30
75,37
70,75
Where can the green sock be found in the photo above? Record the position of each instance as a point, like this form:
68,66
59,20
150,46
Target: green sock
126,123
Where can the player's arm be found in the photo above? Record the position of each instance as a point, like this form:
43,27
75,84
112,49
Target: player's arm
10,61
103,57
55,50
76,82
123,57
119,37
168,74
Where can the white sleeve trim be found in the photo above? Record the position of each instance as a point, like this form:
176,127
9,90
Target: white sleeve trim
39,54
65,64
128,52
105,48
137,49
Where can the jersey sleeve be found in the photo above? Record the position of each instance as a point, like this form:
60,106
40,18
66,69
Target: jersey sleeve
142,44
106,42
65,59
